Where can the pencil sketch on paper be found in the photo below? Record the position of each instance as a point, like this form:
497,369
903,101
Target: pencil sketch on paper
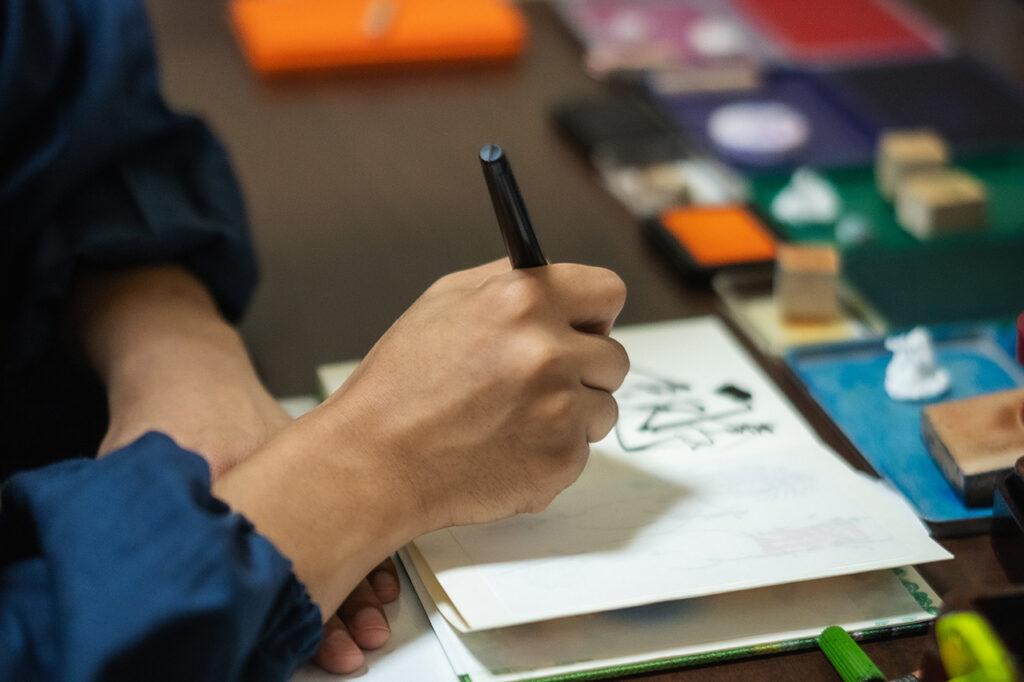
655,410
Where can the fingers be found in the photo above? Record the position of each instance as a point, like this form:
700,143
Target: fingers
384,581
360,622
603,361
602,413
590,297
338,653
364,617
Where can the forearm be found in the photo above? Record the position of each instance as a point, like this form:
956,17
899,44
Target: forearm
328,500
170,362
130,318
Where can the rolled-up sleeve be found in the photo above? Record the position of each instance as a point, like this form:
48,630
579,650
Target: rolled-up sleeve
127,568
96,171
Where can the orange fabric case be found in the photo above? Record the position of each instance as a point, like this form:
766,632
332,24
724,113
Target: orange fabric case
291,35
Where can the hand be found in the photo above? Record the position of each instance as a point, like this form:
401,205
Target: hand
360,622
480,402
487,391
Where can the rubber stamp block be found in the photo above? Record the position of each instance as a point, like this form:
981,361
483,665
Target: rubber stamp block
807,282
975,441
903,153
941,202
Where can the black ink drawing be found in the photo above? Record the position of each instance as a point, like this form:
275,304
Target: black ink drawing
656,410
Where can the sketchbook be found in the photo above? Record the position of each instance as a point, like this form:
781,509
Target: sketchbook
711,524
683,633
710,483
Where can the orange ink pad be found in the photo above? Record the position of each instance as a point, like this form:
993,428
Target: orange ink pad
701,240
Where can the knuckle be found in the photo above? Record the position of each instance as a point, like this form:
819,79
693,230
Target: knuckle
544,358
611,284
443,283
564,466
558,410
606,284
519,299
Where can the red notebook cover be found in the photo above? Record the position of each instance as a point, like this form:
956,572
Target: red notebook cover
841,29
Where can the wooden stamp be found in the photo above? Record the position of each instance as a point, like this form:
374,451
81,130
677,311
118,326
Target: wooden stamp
807,282
975,441
904,153
941,202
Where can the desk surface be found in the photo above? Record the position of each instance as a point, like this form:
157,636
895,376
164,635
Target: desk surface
364,189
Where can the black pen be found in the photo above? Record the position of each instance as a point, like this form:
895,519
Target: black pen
516,230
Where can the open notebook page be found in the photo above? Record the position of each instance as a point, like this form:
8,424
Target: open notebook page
710,483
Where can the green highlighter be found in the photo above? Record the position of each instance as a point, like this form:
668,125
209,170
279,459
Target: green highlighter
852,664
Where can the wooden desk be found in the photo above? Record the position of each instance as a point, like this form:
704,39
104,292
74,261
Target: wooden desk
364,189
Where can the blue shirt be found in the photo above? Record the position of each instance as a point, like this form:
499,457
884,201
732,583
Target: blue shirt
125,567
95,172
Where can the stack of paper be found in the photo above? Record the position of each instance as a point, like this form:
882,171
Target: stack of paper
712,519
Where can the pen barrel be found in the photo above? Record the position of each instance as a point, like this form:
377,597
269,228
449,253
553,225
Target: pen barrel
516,228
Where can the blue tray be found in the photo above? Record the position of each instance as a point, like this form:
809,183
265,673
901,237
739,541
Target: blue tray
847,381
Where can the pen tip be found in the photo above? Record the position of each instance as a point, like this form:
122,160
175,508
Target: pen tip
491,152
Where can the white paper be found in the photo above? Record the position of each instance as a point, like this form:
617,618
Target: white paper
671,632
710,483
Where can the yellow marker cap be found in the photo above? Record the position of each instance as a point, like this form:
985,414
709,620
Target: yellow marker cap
971,651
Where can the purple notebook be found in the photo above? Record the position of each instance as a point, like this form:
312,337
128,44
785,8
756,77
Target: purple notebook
970,104
834,136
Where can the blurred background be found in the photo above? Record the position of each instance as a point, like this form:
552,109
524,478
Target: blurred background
362,181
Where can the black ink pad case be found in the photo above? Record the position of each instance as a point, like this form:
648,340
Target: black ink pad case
1008,523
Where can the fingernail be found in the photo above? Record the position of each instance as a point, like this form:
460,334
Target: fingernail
343,655
338,638
369,618
370,628
385,585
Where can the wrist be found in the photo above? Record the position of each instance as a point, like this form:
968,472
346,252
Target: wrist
325,503
377,438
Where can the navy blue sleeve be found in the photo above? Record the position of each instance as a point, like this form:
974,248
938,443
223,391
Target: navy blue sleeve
96,171
127,568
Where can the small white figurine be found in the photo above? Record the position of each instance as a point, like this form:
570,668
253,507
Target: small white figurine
808,198
913,374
